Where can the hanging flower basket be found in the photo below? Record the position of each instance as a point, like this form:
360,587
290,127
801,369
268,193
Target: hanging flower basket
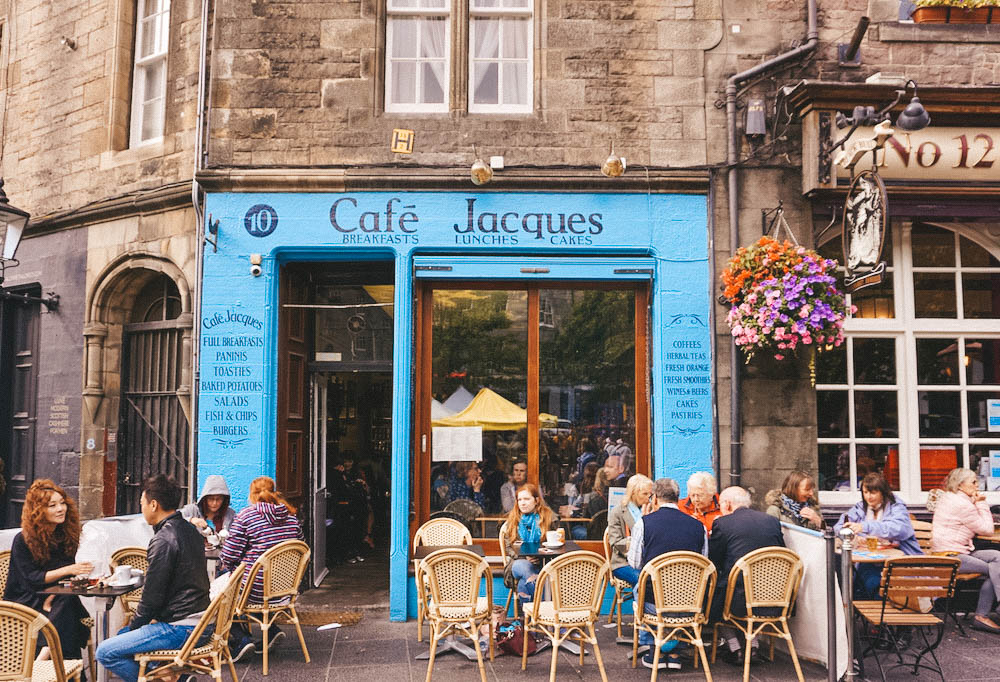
783,298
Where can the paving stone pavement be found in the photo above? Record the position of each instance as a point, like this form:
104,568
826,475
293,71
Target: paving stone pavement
377,650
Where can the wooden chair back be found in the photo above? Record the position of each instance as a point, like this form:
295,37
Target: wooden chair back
503,547
606,544
454,579
220,614
771,579
19,629
442,532
911,577
577,581
922,531
682,583
283,567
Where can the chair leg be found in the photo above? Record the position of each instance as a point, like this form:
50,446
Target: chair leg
506,606
746,653
524,643
715,641
298,629
91,660
479,656
420,619
555,658
432,635
229,662
614,600
700,643
791,650
597,653
635,639
657,643
265,626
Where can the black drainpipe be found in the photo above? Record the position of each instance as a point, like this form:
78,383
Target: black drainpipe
732,158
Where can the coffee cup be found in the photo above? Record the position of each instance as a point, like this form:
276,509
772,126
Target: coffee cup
552,537
122,574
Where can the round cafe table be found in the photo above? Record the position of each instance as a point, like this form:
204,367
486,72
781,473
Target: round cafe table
878,556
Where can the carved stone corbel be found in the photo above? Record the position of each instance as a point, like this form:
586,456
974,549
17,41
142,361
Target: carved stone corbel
94,334
183,392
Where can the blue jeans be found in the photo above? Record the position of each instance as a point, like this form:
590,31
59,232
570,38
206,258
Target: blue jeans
116,653
628,574
522,569
646,637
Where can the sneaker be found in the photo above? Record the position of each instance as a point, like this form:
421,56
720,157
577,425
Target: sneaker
647,661
673,662
244,649
275,637
731,657
187,677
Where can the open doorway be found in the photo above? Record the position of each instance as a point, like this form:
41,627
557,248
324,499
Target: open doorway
335,409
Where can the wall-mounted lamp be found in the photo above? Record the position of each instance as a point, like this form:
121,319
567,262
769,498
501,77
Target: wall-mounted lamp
13,222
614,165
481,173
914,117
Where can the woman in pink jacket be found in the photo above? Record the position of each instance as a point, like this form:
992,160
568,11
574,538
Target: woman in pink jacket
961,514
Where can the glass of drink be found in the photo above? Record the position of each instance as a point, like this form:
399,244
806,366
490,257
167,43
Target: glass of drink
872,542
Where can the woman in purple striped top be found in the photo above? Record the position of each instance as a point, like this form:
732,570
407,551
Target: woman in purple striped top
269,520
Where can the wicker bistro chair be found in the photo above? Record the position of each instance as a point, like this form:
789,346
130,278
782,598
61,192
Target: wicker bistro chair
436,533
771,578
136,558
207,658
454,579
623,590
576,582
19,628
506,560
904,581
88,622
283,567
682,585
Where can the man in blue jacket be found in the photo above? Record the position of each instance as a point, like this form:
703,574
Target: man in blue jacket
663,528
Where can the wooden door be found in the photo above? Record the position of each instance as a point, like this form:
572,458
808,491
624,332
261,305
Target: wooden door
293,390
18,402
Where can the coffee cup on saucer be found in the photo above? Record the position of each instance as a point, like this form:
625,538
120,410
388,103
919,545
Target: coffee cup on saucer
552,538
122,574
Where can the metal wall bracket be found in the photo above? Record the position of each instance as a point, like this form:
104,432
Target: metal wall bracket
212,228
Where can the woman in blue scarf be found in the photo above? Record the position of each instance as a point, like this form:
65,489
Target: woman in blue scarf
528,521
796,502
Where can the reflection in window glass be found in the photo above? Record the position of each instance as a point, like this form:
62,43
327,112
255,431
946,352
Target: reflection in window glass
874,361
479,359
940,414
979,461
935,463
932,246
834,465
981,423
934,294
587,392
831,365
975,256
875,301
982,361
875,414
831,414
937,361
981,295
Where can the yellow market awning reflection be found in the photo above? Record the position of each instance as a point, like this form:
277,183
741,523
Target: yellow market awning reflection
493,412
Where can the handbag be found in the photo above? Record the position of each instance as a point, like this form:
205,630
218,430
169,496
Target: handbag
510,638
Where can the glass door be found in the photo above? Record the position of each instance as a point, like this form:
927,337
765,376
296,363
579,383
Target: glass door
541,383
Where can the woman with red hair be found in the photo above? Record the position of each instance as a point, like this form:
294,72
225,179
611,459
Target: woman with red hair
528,521
43,554
268,520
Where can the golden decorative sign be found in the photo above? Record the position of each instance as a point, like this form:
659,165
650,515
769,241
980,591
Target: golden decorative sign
402,141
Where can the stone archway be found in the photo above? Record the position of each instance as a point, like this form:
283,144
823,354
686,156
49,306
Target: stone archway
108,329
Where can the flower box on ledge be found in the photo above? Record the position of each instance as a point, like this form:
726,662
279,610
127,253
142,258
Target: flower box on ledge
956,12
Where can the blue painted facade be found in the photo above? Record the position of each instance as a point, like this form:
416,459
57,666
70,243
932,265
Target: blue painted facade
480,235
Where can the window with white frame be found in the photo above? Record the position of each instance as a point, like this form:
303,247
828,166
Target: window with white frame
915,390
500,33
149,76
419,56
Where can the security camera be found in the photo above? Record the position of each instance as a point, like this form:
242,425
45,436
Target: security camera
255,268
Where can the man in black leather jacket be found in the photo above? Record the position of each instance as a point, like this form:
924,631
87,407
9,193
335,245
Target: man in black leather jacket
175,593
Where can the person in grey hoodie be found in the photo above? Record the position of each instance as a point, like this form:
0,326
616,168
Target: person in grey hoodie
212,508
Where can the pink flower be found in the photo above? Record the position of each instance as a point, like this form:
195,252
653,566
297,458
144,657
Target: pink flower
779,356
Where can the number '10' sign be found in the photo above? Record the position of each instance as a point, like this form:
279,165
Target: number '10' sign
261,220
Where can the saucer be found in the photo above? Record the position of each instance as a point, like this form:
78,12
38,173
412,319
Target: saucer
553,544
124,583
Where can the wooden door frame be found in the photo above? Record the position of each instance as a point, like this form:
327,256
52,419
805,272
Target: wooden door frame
423,325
